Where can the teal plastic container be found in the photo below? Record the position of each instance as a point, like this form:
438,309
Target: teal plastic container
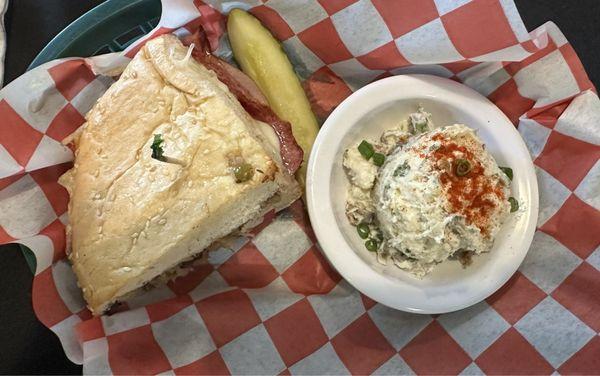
110,27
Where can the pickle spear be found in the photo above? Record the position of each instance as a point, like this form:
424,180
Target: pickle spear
262,58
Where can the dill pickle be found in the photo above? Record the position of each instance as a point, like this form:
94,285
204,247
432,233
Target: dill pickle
262,58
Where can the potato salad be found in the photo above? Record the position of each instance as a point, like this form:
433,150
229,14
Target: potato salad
422,194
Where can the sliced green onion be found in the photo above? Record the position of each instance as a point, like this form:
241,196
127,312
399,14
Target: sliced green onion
366,149
363,230
462,167
378,159
514,204
371,245
243,172
508,171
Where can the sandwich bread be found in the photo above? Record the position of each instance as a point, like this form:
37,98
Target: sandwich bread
134,216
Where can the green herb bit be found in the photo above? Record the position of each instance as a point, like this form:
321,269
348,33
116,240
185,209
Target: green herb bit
421,127
462,167
157,148
514,204
363,230
243,172
508,171
371,245
378,159
366,149
402,170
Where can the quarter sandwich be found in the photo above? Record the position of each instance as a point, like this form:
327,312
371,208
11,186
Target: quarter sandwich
134,213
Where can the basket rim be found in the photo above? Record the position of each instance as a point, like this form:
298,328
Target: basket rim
89,20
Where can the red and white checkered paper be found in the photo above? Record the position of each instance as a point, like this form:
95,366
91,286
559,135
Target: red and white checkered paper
272,304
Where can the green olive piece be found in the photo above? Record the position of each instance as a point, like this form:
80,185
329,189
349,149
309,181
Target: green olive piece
363,230
243,172
371,245
462,167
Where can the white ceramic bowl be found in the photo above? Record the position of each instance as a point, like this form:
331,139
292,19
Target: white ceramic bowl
365,114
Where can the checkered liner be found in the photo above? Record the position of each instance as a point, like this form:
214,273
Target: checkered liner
272,304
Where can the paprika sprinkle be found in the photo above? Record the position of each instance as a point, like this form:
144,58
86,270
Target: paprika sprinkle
469,191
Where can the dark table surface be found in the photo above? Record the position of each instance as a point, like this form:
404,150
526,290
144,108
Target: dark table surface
26,346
